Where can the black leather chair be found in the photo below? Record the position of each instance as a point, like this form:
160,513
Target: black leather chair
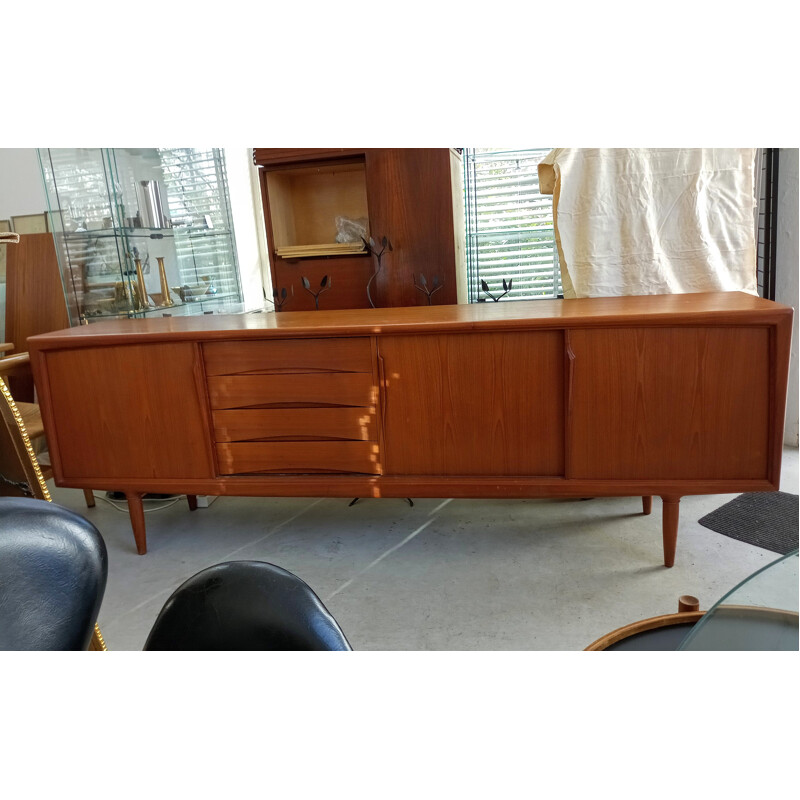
53,570
245,605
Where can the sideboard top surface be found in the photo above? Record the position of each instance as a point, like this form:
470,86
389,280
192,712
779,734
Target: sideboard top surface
710,308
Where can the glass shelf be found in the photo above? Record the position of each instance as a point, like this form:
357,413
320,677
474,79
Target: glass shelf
231,303
145,233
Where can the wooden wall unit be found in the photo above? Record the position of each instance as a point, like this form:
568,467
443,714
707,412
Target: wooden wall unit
414,197
658,395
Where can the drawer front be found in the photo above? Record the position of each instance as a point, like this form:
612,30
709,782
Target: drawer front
242,458
288,355
323,388
237,425
293,406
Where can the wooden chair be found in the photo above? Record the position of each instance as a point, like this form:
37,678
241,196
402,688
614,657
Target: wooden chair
20,472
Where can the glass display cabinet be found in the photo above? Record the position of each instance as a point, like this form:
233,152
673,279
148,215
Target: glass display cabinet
142,231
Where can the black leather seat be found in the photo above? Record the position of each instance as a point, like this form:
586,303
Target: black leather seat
53,570
245,605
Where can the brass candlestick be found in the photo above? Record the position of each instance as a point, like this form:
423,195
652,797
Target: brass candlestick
140,283
166,300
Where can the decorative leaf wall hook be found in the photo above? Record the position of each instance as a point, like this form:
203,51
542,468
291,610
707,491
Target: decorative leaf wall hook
281,297
324,284
423,286
485,287
373,248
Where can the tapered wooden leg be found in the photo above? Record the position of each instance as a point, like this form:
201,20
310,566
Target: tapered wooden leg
192,500
669,523
647,504
88,495
136,510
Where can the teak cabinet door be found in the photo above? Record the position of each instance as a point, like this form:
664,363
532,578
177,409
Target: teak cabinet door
132,411
473,404
672,403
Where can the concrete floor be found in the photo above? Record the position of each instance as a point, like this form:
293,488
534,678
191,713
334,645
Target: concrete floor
444,575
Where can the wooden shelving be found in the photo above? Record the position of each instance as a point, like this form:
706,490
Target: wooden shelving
319,250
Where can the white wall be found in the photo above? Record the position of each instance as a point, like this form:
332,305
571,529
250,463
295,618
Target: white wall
21,187
787,269
248,225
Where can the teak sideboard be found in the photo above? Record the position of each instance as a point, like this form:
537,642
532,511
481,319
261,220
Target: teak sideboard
665,395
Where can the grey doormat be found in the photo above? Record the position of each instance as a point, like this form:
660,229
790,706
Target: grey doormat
763,519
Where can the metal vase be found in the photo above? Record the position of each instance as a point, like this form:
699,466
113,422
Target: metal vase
166,299
145,303
150,204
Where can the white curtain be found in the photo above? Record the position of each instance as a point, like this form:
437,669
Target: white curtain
654,221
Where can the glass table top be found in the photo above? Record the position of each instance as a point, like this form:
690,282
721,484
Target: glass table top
761,613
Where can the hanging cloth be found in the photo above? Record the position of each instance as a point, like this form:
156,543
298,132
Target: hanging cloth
653,221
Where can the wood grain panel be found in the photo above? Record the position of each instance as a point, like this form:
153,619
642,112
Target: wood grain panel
409,192
474,404
298,457
289,355
35,301
128,411
671,403
348,276
319,423
266,156
780,352
326,388
34,294
658,311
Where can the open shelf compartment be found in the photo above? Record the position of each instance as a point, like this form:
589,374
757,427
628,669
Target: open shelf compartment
304,203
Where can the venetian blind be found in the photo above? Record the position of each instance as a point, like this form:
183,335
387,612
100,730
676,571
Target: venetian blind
510,233
197,188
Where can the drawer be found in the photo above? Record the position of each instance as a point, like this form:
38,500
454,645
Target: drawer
323,388
241,424
237,458
288,355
